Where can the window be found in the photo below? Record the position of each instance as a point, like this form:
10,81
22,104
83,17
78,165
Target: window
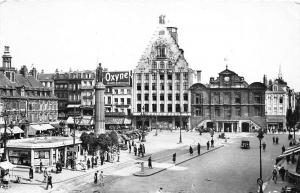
169,97
146,86
177,76
122,101
281,100
275,88
138,86
138,76
146,97
139,97
162,97
257,98
169,64
185,76
198,111
128,101
153,86
162,76
169,108
154,76
122,91
185,97
161,51
185,107
170,86
162,86
238,111
237,99
226,99
146,76
185,85
154,65
177,106
217,112
177,86
154,108
162,108
139,107
146,107
116,100
169,76
227,112
177,96
161,65
116,91
154,97
257,111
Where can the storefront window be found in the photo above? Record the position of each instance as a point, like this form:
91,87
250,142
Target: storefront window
19,157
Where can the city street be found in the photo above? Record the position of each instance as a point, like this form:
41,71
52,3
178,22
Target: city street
228,169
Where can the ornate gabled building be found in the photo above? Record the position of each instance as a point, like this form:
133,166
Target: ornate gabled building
23,97
161,83
279,98
228,104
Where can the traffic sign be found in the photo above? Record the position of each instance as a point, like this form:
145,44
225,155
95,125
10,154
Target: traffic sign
260,181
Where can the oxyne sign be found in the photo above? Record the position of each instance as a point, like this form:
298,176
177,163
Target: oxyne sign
117,78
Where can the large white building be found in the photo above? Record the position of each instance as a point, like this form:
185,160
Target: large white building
279,98
161,82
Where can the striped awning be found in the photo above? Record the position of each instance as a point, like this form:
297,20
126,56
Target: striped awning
289,151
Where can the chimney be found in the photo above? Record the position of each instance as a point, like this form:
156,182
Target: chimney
199,76
173,33
265,80
24,71
6,58
33,72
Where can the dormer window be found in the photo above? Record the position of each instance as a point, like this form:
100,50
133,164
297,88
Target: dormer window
275,88
161,51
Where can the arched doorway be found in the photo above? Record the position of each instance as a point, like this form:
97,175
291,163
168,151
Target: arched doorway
245,127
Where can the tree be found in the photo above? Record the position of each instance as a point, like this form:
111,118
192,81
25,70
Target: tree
114,138
85,140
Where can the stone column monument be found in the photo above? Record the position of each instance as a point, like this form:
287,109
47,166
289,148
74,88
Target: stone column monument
99,102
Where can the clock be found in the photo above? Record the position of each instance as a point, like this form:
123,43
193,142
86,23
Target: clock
226,79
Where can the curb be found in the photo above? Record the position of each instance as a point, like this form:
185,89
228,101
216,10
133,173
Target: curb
163,169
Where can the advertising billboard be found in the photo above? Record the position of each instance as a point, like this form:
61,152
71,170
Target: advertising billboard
120,78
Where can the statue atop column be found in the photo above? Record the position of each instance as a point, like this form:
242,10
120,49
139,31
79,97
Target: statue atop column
99,73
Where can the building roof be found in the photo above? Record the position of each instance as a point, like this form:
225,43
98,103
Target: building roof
43,76
227,72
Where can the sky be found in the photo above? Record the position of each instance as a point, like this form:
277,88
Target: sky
256,37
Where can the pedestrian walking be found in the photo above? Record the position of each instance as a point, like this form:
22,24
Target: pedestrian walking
274,174
191,150
88,163
41,166
118,154
283,149
174,158
135,150
30,173
273,139
150,162
198,148
143,148
277,140
92,160
45,175
160,190
96,177
212,142
282,173
264,146
129,148
101,179
49,182
96,160
288,159
207,145
132,143
102,158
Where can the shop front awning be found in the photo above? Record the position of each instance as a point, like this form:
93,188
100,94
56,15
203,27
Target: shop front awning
289,151
47,126
114,120
14,130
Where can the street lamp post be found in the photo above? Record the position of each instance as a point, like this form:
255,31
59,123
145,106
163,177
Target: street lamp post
143,124
180,137
5,137
259,180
